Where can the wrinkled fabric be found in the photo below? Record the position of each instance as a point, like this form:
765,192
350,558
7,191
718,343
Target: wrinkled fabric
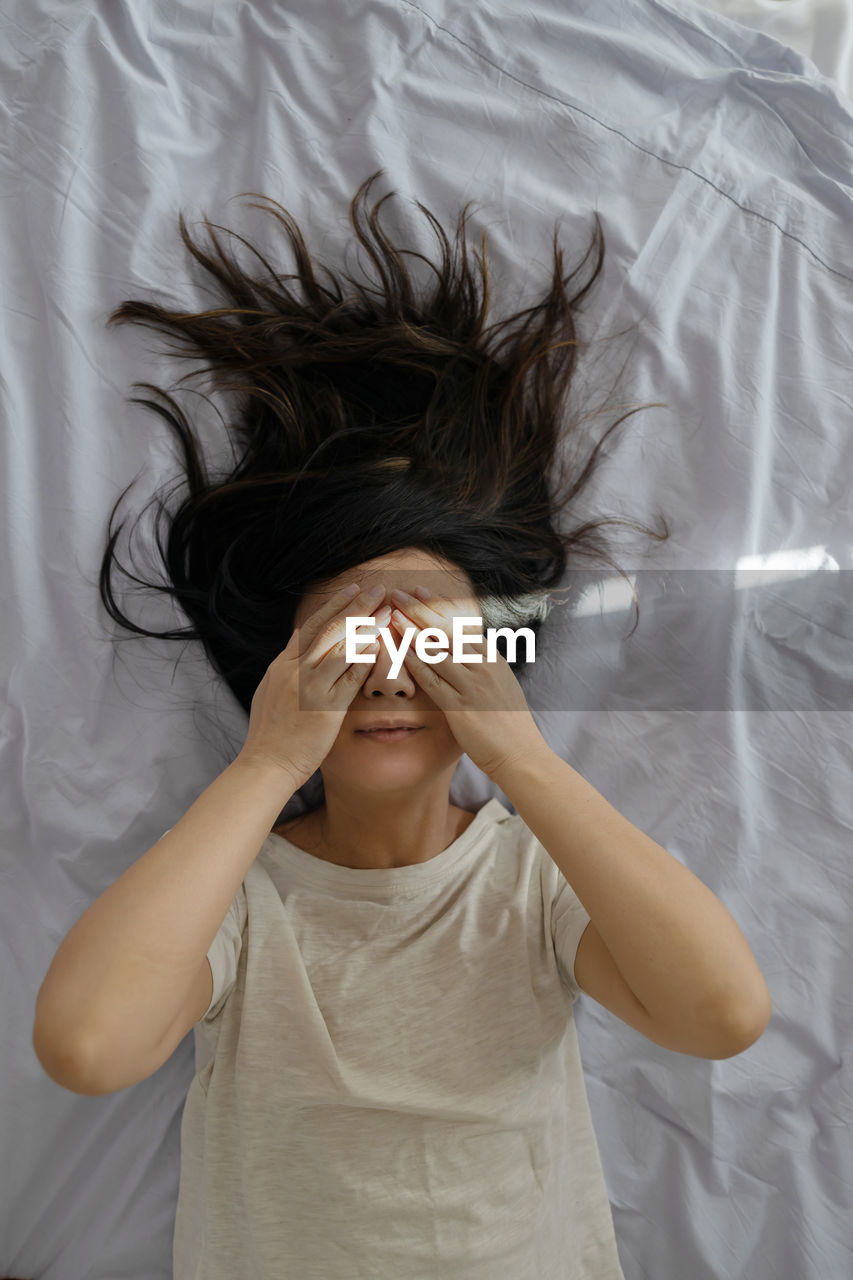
720,165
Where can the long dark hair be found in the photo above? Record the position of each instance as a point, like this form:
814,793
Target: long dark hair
368,421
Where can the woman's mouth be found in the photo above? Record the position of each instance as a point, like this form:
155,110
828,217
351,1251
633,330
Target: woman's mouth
388,735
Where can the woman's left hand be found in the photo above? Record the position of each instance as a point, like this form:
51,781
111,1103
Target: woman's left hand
484,704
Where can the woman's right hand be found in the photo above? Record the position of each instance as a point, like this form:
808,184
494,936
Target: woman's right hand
298,707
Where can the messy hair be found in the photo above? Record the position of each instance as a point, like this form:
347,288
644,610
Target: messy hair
369,420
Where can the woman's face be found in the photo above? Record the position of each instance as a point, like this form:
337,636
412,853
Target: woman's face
432,752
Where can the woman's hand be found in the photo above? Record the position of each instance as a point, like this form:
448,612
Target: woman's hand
485,706
298,707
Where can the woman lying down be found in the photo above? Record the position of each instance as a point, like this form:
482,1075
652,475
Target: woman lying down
381,987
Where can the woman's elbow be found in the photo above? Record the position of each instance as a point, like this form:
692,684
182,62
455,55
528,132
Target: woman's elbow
746,1023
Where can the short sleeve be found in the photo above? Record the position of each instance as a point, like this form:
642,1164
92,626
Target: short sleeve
569,918
224,952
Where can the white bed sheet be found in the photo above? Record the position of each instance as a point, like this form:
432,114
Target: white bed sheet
720,162
821,30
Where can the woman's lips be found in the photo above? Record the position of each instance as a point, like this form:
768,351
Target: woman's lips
388,735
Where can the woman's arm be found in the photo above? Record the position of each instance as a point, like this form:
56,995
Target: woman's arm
659,938
122,973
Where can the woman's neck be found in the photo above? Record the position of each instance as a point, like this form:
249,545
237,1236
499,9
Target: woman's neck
370,844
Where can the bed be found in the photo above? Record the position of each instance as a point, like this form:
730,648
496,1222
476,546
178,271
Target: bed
716,144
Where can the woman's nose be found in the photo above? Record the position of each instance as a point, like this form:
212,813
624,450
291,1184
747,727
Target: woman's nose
379,678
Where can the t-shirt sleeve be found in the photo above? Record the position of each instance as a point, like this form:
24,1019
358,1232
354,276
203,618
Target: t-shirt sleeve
569,918
224,952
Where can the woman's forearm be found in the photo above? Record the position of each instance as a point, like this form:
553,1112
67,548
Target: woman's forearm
120,974
676,946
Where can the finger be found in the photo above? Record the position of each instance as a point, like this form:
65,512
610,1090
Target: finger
334,680
416,609
333,672
355,673
333,625
461,605
427,675
422,617
434,614
330,645
447,673
454,674
321,615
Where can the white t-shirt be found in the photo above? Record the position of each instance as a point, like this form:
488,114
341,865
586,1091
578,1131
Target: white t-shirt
388,1080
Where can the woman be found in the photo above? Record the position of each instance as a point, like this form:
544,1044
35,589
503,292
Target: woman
392,1084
